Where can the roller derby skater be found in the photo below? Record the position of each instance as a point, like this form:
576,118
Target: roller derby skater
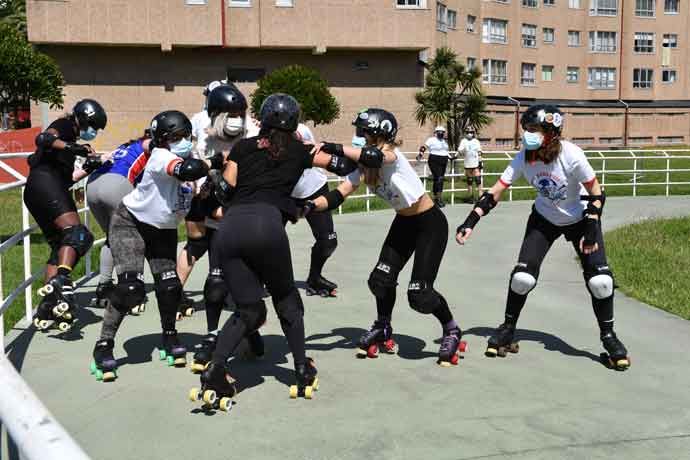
104,365
419,228
217,388
438,161
569,202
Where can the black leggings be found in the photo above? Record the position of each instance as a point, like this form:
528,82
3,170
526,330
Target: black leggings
540,234
326,240
214,293
425,235
255,251
437,165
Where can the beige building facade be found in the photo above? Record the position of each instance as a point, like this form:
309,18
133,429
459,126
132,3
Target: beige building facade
619,68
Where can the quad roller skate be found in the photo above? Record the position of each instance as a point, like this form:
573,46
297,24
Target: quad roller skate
322,287
104,366
57,304
307,381
378,339
217,388
203,353
103,291
451,348
172,350
616,355
185,308
501,342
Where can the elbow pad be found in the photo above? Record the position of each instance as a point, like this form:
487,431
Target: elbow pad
486,202
591,209
217,161
334,199
45,140
190,169
371,157
341,166
333,149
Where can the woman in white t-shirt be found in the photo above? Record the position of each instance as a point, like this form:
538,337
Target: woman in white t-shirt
569,203
438,161
419,228
471,150
144,226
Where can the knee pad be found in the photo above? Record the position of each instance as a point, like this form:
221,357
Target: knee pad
422,297
384,277
78,237
253,315
325,246
600,283
290,308
477,180
196,247
168,290
129,291
215,289
521,280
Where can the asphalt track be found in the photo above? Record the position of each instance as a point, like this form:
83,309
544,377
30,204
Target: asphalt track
552,400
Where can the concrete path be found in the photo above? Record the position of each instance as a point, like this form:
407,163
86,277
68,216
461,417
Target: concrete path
552,400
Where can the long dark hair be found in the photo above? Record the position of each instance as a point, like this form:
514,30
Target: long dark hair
146,136
276,141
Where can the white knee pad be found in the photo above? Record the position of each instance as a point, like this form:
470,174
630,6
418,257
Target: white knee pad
601,286
522,282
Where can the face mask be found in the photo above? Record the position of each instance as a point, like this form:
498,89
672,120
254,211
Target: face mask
234,126
358,142
181,148
439,136
88,135
469,135
532,141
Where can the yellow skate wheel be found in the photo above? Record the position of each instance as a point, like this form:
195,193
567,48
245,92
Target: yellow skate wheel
108,376
293,391
315,385
623,364
193,394
64,327
444,364
189,312
180,362
68,316
225,404
361,353
209,396
308,392
197,368
491,352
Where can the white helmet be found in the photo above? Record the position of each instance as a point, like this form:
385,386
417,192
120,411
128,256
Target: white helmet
440,128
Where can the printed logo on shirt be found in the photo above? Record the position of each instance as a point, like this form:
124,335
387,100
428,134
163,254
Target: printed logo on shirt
550,187
184,199
386,193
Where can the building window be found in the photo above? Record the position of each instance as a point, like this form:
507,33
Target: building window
547,73
411,4
574,4
671,6
549,2
494,71
643,78
471,20
603,7
601,78
670,41
611,140
573,38
640,140
285,3
644,8
245,75
670,139
668,76
240,3
452,19
528,74
441,17
529,35
504,142
573,74
494,31
644,42
583,140
471,62
602,42
361,65
549,34
529,3
195,2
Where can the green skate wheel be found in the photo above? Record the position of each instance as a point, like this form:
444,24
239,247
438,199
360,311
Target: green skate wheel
93,367
99,374
171,361
162,354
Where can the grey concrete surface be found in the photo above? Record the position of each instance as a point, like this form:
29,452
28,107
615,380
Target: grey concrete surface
552,400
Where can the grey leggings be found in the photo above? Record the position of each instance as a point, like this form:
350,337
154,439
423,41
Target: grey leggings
104,194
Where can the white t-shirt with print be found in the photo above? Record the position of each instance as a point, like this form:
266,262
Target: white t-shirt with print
559,183
160,199
200,122
312,179
471,149
398,183
437,146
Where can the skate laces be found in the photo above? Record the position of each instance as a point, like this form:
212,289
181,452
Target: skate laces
448,341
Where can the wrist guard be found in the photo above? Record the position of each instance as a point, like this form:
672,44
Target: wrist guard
334,198
470,222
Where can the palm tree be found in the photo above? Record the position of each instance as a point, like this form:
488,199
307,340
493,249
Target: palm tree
13,13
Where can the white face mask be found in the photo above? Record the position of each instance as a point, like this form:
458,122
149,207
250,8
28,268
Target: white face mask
234,126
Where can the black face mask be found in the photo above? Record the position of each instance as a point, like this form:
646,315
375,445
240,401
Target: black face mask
439,136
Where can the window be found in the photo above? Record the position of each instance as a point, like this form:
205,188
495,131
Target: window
573,38
494,31
574,4
640,140
549,2
470,23
528,74
504,142
410,4
670,41
573,74
529,35
611,140
240,3
549,35
603,7
583,140
644,42
671,6
529,3
668,76
547,73
452,19
441,13
494,71
601,78
602,42
245,75
643,78
670,139
195,2
285,3
471,62
644,8
361,65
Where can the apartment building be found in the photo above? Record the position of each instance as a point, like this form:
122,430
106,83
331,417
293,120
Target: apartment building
619,68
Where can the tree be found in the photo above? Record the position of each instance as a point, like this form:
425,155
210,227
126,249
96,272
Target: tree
304,84
25,74
13,14
452,96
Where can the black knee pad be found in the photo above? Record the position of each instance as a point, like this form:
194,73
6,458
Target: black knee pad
196,247
168,290
477,180
129,291
384,277
215,289
600,282
253,315
290,308
78,237
422,297
326,244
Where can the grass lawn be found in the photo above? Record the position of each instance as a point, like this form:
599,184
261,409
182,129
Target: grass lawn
651,262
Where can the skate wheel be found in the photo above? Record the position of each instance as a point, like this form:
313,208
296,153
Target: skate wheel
293,391
64,327
189,312
514,347
491,352
180,362
209,396
108,376
225,404
93,367
178,316
361,353
198,368
462,347
308,392
67,316
162,354
315,385
193,394
389,346
444,363
454,359
373,351
142,308
99,375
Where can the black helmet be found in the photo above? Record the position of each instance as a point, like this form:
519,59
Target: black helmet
549,117
167,124
88,112
280,111
377,122
225,99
